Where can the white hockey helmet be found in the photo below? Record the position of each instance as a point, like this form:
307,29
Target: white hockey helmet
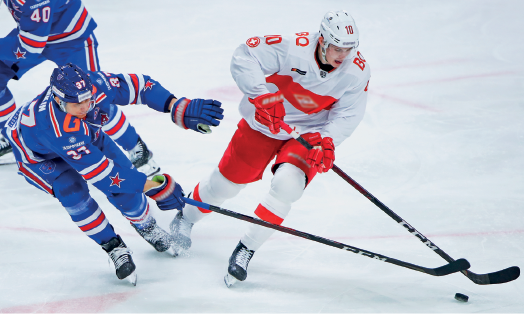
339,29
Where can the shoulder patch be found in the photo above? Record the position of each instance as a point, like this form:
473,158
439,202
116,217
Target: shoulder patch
253,42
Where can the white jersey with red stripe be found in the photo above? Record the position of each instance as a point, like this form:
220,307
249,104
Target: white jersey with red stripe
44,22
40,131
332,103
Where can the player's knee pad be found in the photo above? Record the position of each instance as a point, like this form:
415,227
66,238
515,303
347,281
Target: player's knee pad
70,189
214,190
288,183
217,188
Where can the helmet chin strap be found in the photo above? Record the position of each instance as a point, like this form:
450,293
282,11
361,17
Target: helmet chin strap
61,104
323,49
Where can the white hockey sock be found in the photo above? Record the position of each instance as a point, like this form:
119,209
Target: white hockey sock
270,210
192,214
287,187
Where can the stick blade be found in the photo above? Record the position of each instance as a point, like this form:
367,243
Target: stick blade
453,267
498,277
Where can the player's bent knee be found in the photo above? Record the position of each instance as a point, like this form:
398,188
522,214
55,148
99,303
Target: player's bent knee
220,187
70,188
288,183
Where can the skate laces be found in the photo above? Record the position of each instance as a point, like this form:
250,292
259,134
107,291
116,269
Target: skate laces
243,257
120,255
140,154
4,142
137,152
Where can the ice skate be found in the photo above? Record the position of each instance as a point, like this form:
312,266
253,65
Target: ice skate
121,257
238,262
181,230
161,240
5,146
142,159
6,151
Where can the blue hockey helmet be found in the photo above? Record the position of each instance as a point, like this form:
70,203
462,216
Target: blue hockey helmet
71,84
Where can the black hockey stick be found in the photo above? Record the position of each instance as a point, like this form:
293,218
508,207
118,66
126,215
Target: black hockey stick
501,276
453,267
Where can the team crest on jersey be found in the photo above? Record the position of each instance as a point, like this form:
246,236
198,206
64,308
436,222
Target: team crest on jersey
306,102
104,118
253,42
116,180
95,113
72,139
323,74
299,71
48,167
19,54
97,134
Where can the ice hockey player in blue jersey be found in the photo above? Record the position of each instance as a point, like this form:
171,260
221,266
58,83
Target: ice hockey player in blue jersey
59,147
60,31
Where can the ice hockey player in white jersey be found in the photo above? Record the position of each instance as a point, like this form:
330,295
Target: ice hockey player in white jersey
316,83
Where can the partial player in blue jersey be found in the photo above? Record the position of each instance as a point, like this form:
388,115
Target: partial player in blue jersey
60,31
59,146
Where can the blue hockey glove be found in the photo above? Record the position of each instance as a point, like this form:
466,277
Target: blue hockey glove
168,195
197,114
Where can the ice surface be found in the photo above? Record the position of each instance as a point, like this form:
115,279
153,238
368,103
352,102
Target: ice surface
442,144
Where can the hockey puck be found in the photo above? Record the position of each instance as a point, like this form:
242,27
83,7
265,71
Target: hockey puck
461,297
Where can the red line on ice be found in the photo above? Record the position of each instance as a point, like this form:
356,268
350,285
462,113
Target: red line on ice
442,62
73,231
214,237
405,102
464,234
93,304
450,79
226,93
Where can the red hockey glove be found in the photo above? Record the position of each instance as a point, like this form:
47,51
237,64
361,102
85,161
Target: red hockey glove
270,110
322,155
329,153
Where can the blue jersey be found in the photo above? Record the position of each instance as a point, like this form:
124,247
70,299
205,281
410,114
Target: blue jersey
40,131
44,22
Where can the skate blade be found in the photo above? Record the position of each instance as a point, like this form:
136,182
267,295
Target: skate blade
150,175
177,251
7,159
150,169
229,280
171,251
132,278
